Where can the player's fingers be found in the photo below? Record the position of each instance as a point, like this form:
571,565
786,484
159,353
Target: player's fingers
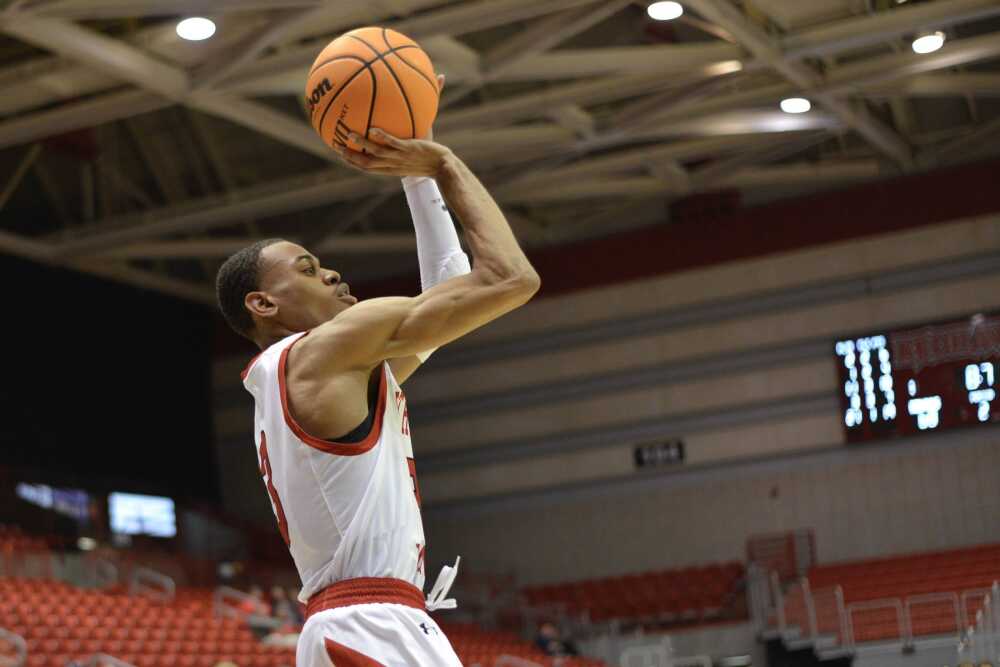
387,138
350,158
362,161
371,147
440,80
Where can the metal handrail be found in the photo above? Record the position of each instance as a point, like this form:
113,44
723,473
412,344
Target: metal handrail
894,603
964,602
105,660
513,661
661,654
807,598
20,649
980,642
224,593
106,573
779,602
838,594
144,581
911,600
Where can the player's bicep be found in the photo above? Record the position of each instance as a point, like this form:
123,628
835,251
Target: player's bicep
454,308
396,327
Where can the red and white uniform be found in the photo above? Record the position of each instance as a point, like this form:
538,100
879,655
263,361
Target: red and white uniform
350,515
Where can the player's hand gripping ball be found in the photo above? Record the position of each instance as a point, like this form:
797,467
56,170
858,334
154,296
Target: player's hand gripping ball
371,77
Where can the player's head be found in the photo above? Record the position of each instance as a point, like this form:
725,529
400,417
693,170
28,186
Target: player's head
274,288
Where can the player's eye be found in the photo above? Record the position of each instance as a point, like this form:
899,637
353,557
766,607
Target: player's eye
310,271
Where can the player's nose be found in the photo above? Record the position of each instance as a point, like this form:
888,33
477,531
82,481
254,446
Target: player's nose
332,277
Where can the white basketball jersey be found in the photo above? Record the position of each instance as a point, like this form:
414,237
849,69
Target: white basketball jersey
346,510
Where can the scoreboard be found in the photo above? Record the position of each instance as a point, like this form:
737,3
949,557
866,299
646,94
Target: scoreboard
929,378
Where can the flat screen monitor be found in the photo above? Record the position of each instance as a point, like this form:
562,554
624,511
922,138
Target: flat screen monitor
134,514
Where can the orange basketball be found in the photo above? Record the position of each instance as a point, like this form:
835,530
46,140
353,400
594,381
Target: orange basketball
371,77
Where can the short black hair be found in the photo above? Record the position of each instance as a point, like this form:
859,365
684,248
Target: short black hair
238,276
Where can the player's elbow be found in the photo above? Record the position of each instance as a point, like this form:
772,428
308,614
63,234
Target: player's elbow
525,284
529,281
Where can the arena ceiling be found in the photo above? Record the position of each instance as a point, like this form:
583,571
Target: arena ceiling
129,153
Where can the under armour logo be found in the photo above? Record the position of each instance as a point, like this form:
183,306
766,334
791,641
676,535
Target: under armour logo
428,630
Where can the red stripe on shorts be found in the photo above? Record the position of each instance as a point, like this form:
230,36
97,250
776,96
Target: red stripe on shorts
348,657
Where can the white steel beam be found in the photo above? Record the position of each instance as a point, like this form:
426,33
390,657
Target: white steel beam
265,120
938,85
803,76
106,9
216,248
148,280
78,115
15,244
645,186
130,64
463,17
15,179
861,31
844,80
462,67
869,72
330,186
45,253
545,34
104,54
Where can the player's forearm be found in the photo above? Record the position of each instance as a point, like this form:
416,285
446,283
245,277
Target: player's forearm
494,247
439,251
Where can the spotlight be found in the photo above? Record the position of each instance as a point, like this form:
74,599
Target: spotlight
664,11
795,105
928,42
195,28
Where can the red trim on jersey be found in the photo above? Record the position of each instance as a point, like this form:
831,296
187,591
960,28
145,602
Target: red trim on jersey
344,656
366,590
339,448
246,371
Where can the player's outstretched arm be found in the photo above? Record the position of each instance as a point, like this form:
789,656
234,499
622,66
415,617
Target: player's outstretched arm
501,280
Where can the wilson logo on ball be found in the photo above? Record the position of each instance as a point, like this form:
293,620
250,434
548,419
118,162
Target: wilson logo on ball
317,94
341,131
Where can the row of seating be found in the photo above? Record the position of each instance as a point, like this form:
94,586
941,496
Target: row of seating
697,593
945,590
476,646
142,632
57,631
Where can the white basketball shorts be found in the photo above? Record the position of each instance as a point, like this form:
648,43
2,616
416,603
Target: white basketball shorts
374,635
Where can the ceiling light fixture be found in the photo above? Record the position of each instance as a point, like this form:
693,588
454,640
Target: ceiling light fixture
928,42
795,105
664,11
196,28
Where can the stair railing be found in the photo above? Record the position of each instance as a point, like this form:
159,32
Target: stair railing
928,598
890,603
20,657
152,584
104,660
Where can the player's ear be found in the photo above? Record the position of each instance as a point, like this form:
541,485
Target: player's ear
260,304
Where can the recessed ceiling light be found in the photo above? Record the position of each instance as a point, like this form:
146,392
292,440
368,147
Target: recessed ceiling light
664,11
196,28
795,105
928,42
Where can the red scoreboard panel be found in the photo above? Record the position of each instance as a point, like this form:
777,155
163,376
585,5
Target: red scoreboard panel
930,378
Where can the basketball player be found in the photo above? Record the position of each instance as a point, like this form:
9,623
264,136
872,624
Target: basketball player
330,423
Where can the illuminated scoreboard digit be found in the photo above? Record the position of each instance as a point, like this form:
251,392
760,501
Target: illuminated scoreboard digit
929,378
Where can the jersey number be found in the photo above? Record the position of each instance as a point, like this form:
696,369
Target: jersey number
413,475
265,471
